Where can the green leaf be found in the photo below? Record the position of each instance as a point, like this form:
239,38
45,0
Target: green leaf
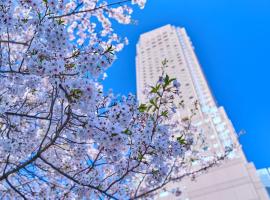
155,171
165,113
155,89
60,21
110,49
34,52
127,132
168,81
70,65
114,134
164,62
76,93
39,15
33,91
142,108
181,140
149,107
154,102
140,156
167,78
25,20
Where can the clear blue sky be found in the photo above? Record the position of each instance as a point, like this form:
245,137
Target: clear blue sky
232,41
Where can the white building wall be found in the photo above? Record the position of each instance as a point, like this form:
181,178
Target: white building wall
234,180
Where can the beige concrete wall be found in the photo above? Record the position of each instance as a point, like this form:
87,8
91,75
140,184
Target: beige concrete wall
233,180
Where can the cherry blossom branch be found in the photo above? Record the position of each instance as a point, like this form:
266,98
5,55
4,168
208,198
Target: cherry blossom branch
193,173
89,10
15,189
38,154
76,181
59,131
9,50
25,115
14,42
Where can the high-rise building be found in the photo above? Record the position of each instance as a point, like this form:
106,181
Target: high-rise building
236,178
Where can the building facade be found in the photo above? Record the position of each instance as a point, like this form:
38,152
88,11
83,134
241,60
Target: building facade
264,175
235,179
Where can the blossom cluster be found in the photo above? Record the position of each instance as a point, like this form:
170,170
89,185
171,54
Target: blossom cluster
61,136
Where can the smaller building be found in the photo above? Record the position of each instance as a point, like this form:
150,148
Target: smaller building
264,175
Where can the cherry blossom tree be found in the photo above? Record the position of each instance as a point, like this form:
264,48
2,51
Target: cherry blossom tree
61,136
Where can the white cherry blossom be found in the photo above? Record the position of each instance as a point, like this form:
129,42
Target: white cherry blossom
61,136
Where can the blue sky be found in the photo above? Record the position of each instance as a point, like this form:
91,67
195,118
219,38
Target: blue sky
232,42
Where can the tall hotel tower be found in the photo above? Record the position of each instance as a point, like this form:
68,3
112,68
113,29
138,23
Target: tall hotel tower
235,179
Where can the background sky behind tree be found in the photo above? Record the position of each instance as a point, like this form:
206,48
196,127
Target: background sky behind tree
232,42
